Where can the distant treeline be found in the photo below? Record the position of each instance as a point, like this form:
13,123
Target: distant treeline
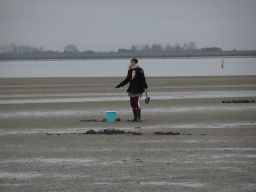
15,48
13,51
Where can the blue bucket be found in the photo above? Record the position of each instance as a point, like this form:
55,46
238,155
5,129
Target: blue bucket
111,116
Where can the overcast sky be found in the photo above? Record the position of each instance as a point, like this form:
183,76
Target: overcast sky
104,25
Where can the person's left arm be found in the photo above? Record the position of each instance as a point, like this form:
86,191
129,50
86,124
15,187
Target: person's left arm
144,83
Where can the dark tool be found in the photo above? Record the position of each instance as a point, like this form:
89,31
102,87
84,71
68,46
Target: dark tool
147,98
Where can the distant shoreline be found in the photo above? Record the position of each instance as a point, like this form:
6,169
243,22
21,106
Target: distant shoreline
139,55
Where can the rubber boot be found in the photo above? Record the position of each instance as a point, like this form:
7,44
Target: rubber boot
135,115
138,111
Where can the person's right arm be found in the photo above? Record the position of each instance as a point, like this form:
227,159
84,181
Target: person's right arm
127,80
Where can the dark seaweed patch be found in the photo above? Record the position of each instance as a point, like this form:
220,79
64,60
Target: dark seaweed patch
238,101
111,132
167,133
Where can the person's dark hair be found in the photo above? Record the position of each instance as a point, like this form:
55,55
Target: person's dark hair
135,60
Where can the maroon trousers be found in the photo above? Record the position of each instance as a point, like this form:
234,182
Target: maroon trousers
135,102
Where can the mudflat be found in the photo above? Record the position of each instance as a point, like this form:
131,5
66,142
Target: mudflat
44,145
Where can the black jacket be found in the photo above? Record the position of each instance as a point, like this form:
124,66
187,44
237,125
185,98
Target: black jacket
137,83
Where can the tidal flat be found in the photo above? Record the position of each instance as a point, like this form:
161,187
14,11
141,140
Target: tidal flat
43,147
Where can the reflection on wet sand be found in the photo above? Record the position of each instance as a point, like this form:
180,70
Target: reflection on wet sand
94,112
75,130
64,98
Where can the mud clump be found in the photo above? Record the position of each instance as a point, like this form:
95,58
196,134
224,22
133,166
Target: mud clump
110,132
238,101
103,132
167,133
89,120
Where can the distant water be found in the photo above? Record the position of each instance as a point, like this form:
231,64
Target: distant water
118,68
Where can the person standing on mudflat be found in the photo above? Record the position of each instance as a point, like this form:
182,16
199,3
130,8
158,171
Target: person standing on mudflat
137,87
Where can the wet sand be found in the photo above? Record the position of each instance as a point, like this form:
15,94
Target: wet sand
43,148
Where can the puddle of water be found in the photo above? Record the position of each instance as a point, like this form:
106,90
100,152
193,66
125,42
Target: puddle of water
250,185
228,162
201,86
121,111
191,141
122,161
185,184
77,149
51,161
110,163
203,125
70,161
9,184
103,183
26,175
233,155
96,113
180,141
250,156
207,149
67,175
201,141
63,100
83,130
200,109
201,94
232,168
158,149
67,161
233,149
50,113
29,175
225,156
153,96
58,85
63,95
188,162
95,149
